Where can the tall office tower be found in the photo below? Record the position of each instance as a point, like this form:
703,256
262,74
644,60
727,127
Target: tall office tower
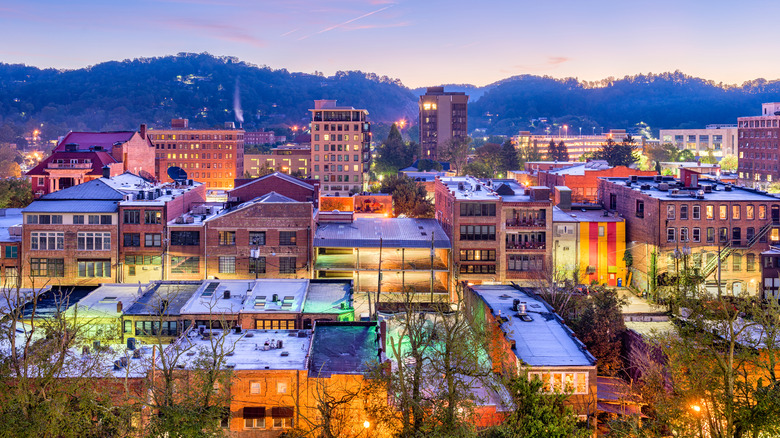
340,148
214,157
442,116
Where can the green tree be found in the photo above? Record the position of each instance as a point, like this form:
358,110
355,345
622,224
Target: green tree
394,154
509,157
557,152
729,163
479,169
456,151
709,158
537,414
490,154
618,154
9,169
600,327
425,165
409,197
15,193
686,155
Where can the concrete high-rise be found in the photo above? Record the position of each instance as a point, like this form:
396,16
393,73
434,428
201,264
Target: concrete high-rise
340,148
442,116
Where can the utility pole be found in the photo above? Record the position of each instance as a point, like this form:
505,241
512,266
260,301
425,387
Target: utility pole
432,275
378,280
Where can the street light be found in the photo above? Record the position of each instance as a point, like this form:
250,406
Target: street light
565,130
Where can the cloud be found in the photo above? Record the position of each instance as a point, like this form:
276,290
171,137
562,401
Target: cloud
336,26
551,62
222,31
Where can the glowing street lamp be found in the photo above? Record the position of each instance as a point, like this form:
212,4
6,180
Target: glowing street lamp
401,124
366,424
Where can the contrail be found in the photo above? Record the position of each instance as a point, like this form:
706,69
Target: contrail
335,26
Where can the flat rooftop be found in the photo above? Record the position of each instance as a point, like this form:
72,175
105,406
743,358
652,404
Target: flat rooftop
105,301
584,215
175,293
249,349
328,296
543,341
581,168
394,232
253,296
344,348
468,188
10,217
720,191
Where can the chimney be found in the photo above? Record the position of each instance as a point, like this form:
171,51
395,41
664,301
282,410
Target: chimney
106,172
118,307
142,131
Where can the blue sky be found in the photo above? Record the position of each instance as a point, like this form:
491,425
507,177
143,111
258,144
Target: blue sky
421,42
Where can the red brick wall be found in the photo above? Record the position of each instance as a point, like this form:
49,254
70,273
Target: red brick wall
136,155
270,184
584,188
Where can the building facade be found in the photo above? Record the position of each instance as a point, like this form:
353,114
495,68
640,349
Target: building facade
758,147
340,148
499,233
583,178
214,157
720,139
443,115
576,145
289,159
704,223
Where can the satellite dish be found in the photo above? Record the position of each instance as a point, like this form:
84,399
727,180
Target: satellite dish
177,174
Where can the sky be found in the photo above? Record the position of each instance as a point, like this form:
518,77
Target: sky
420,42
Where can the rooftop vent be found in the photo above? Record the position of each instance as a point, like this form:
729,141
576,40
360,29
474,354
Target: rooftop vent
663,187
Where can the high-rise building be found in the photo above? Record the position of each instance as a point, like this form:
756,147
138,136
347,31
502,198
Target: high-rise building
340,147
442,116
758,155
214,157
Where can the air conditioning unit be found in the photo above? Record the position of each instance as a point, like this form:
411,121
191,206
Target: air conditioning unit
179,220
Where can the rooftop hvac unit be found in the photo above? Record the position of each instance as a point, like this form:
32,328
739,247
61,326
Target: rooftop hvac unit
675,192
179,220
658,178
707,189
663,187
190,220
634,178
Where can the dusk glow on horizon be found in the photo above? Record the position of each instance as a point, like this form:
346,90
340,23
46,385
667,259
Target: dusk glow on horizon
419,42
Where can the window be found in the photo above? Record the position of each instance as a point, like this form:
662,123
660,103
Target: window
477,232
723,212
762,211
750,233
152,239
640,208
132,260
683,234
32,219
227,237
78,219
93,219
94,268
723,234
612,201
576,383
525,262
154,328
736,262
274,324
670,234
282,416
696,212
281,387
185,265
601,231
749,212
89,241
152,217
132,216
105,219
477,255
710,235
287,265
710,212
750,262
254,418
475,209
47,241
185,238
257,238
683,212
670,211
47,267
735,212
257,265
287,238
11,252
254,387
132,239
736,234
227,265
697,234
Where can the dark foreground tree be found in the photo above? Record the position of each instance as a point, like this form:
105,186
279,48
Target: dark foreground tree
456,151
600,327
394,154
409,197
509,157
617,154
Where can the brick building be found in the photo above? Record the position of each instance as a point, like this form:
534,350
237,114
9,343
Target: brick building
717,223
499,230
11,220
757,146
340,147
291,187
770,273
76,236
214,157
583,178
81,156
262,137
443,115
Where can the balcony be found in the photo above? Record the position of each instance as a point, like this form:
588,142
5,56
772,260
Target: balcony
69,166
526,246
519,223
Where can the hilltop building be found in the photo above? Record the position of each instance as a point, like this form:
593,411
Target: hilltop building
720,139
758,159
